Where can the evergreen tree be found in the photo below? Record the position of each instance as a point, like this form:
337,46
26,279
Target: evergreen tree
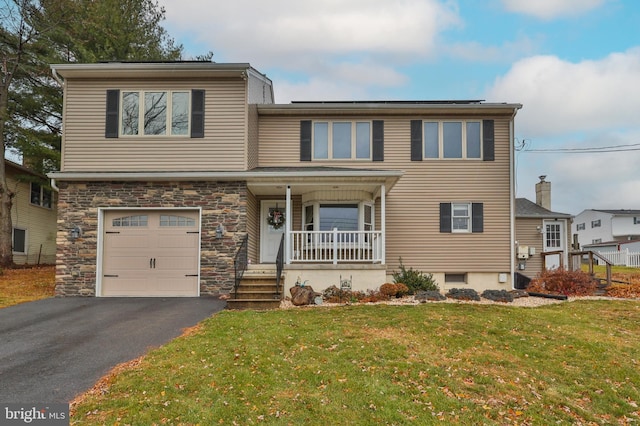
37,33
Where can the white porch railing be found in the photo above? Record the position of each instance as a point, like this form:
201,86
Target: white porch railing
336,246
622,258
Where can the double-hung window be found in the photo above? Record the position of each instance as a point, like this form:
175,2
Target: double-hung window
342,140
452,139
596,223
41,196
580,227
462,217
155,113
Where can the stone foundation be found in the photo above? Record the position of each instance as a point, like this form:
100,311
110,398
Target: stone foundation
78,204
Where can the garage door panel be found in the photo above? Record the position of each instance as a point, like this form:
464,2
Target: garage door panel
127,285
173,241
129,242
154,254
166,286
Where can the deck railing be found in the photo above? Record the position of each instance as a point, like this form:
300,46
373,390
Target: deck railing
336,246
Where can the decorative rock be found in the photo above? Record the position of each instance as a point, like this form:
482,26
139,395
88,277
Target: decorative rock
498,295
519,293
302,295
463,294
432,295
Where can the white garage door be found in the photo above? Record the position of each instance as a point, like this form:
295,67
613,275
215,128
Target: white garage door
150,253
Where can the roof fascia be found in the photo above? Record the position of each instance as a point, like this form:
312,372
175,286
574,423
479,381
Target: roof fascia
151,70
388,108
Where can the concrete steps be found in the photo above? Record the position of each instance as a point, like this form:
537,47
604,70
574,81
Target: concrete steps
257,290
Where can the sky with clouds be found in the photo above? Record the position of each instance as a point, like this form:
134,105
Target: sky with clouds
573,64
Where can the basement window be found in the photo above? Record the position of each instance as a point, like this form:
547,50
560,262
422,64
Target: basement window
455,278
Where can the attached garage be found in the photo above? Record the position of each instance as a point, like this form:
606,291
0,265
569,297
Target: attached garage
150,253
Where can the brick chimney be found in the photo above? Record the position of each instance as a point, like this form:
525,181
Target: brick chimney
543,193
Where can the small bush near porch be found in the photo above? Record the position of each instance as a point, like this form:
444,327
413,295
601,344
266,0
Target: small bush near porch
568,363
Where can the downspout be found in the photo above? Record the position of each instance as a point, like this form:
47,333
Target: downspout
512,215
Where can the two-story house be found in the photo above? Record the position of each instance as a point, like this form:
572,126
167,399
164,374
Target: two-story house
172,172
602,229
33,216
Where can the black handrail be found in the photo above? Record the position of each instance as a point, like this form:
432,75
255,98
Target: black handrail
279,264
240,263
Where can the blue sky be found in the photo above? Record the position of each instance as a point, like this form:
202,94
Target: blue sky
573,64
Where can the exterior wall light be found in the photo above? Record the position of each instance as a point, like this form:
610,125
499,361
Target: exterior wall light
75,233
219,231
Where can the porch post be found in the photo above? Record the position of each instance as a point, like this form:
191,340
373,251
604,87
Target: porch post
383,223
287,227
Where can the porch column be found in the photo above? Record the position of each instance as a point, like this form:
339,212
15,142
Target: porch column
383,223
287,227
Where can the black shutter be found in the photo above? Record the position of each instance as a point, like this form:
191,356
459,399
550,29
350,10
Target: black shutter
305,140
477,217
445,217
113,107
378,140
416,140
488,146
197,113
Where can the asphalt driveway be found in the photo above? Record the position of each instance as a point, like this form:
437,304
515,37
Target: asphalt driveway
53,349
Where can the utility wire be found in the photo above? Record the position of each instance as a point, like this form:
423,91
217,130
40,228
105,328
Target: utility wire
591,150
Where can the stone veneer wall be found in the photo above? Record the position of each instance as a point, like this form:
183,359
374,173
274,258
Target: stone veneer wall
78,203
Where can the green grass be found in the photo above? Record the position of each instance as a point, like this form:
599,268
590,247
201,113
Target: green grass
602,269
571,363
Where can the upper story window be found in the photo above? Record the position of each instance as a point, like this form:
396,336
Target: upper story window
580,227
452,139
596,241
155,113
595,223
40,196
342,140
636,220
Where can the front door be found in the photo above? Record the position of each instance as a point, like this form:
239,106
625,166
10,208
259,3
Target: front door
554,240
270,236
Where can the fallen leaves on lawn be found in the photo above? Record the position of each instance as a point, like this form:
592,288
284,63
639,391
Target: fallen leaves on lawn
26,284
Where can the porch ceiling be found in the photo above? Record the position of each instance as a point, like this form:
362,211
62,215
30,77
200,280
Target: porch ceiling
274,181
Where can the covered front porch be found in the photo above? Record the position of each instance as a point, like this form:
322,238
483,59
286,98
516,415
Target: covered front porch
319,225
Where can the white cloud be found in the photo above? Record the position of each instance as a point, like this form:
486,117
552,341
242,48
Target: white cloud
550,9
270,32
563,97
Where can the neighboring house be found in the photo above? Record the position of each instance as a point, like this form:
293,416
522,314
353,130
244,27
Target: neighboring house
167,168
33,216
594,227
542,236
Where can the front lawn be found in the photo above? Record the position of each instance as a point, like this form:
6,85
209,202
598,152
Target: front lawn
26,284
436,363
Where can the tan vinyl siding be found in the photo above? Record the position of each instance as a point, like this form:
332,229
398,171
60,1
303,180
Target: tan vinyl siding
413,231
222,148
252,142
253,227
528,235
39,223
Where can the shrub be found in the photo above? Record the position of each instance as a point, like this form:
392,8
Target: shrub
388,289
463,294
414,280
561,281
